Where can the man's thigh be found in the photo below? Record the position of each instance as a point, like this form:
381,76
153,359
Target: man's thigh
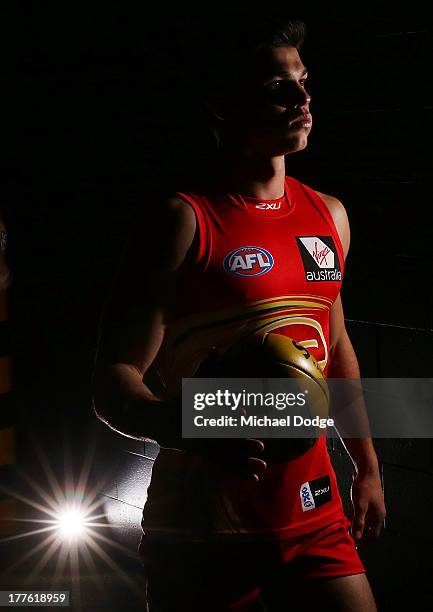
166,597
194,577
324,572
336,594
321,569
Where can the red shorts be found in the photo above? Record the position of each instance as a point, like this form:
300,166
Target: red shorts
228,576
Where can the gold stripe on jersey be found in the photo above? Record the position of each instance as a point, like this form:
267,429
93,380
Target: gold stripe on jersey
260,307
187,342
308,298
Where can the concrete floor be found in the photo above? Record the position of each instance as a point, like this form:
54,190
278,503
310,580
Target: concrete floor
92,589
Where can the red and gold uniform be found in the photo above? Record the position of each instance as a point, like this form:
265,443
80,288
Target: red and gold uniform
269,265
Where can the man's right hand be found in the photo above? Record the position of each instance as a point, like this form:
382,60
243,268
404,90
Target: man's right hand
227,458
233,459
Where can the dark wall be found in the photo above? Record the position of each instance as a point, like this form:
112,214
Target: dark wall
370,149
101,112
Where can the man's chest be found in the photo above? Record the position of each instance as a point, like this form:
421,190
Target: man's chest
253,259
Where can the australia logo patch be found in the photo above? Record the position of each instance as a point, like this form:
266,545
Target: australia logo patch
320,258
248,261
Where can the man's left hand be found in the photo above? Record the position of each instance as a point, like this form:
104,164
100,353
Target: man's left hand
368,505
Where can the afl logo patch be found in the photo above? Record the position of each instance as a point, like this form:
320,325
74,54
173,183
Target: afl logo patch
248,261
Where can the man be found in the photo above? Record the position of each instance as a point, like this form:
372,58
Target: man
224,525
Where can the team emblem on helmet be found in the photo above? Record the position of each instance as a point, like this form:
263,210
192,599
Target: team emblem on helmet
248,261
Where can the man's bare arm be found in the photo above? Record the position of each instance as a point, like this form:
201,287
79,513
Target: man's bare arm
134,322
344,364
343,361
132,332
367,496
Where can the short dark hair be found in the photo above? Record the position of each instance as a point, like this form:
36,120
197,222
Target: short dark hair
239,41
277,32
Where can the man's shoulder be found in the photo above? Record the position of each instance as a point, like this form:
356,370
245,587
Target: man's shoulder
164,223
339,216
334,205
170,210
335,208
178,208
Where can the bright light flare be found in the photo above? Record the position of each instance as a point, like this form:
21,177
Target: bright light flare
72,532
71,523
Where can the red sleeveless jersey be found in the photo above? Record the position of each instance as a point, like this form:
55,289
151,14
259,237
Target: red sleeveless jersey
269,265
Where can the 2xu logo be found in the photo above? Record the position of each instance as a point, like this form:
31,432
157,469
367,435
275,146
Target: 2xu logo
269,206
315,493
248,261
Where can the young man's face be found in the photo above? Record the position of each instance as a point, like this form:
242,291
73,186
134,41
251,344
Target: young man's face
270,114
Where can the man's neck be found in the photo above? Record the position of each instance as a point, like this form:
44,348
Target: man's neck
250,175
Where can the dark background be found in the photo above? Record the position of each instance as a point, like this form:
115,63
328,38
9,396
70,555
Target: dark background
101,112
